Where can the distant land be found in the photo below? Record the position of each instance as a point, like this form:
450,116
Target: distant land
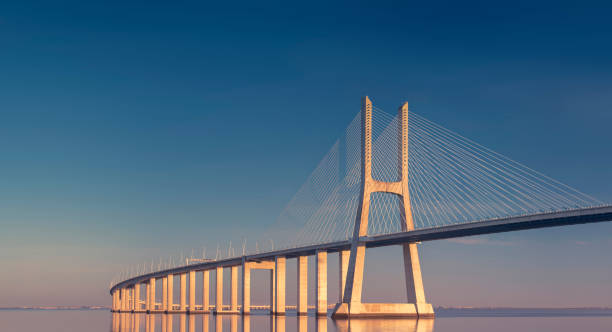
441,311
83,307
520,312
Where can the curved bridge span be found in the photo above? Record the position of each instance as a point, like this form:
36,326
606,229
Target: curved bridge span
553,219
438,186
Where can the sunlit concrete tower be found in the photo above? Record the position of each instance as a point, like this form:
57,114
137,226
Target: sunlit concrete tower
351,305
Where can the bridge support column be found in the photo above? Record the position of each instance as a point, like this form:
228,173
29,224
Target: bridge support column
122,305
128,297
122,300
118,300
183,292
302,285
114,301
131,294
343,259
132,298
114,305
321,286
170,293
151,303
351,305
206,290
272,290
414,281
219,292
234,289
165,293
136,300
280,269
147,296
246,288
192,297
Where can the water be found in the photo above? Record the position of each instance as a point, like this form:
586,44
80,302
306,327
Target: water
100,320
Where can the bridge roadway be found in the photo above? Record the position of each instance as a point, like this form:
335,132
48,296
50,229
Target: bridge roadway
542,220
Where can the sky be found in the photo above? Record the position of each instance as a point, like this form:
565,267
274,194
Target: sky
134,130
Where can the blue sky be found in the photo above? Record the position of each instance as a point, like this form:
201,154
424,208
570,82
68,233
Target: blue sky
134,130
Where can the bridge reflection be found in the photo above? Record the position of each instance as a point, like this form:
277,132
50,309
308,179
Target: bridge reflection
139,322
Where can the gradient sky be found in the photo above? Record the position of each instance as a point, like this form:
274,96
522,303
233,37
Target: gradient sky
140,129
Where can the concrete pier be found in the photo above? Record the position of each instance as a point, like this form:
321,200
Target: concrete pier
129,293
272,290
414,281
343,260
234,289
183,292
165,293
114,301
280,269
170,303
246,288
136,300
192,294
206,290
123,301
219,290
147,296
152,304
302,285
116,305
321,283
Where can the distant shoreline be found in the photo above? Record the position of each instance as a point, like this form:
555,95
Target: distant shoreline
521,312
440,311
85,307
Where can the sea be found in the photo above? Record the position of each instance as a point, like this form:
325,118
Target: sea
446,320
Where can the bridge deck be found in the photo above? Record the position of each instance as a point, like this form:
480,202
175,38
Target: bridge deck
552,219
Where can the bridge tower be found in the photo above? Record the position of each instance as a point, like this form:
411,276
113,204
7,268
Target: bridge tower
351,305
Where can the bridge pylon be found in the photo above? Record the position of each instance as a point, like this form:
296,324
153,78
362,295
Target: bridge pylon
351,305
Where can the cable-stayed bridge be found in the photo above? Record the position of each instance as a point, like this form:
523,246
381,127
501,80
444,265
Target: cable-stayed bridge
388,180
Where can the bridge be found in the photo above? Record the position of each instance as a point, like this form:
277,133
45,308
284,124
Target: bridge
387,181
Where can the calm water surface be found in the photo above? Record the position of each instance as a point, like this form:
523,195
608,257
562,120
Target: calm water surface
103,321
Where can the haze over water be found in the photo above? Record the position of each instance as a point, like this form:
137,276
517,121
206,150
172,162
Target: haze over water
102,320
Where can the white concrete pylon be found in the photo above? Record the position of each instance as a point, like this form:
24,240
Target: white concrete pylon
351,304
